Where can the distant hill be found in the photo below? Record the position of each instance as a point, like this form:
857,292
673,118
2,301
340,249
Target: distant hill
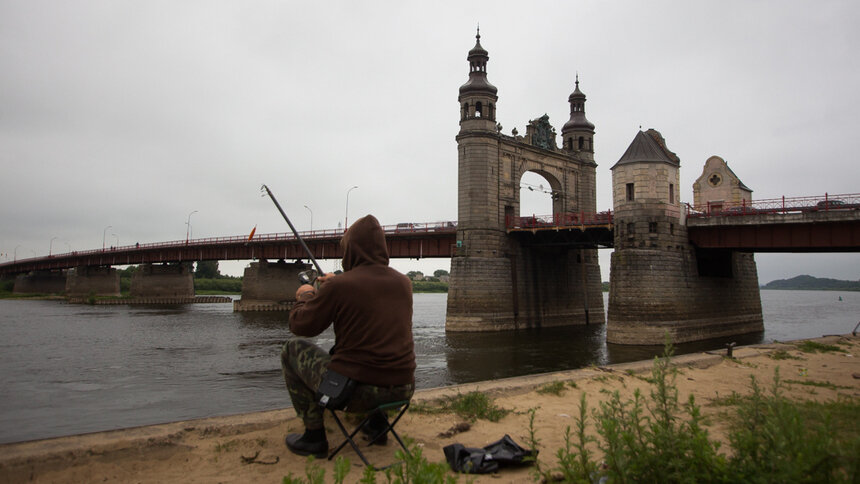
813,284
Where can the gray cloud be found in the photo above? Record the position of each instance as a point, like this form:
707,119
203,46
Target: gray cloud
134,114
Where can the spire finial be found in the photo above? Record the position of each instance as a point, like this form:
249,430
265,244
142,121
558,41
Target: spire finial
577,78
478,36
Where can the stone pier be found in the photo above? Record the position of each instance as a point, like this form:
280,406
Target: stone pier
269,286
162,280
40,282
499,281
95,280
660,284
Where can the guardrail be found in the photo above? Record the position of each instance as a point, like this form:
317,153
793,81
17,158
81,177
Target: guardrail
559,220
401,229
849,201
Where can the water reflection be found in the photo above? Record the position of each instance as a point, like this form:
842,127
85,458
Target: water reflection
484,356
474,357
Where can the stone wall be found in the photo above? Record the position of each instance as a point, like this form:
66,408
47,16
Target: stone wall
40,282
162,280
99,281
269,286
661,286
496,284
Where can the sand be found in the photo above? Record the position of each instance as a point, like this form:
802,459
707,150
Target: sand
223,449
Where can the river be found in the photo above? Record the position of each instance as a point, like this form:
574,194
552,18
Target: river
68,369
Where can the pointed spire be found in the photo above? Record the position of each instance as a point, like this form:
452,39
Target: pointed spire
478,58
577,111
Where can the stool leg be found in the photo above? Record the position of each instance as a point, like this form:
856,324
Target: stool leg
349,439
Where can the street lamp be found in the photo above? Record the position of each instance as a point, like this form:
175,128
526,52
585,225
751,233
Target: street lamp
104,234
117,239
188,228
346,216
51,245
312,217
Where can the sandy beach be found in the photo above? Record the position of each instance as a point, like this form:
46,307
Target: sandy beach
250,447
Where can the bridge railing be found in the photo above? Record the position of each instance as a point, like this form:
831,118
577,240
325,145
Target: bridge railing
848,201
559,220
310,235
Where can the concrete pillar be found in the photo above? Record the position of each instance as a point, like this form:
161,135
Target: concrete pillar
269,286
162,280
40,282
96,280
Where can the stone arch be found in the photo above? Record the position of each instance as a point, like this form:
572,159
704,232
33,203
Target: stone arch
548,196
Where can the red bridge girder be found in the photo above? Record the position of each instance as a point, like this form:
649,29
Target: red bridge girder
404,241
830,236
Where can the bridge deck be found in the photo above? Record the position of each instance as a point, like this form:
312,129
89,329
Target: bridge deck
413,241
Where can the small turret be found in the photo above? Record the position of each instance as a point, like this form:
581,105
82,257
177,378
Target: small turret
477,96
578,132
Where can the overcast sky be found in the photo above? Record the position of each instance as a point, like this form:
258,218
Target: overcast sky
133,115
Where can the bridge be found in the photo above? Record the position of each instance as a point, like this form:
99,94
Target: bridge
408,240
798,224
681,271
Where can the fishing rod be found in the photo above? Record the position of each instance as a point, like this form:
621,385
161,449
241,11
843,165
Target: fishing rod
304,277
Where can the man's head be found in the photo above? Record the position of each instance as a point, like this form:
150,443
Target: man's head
364,243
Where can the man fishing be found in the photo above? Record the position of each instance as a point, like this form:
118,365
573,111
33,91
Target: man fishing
370,306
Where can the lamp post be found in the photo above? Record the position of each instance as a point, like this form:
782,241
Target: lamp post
117,239
312,217
188,228
104,234
346,216
51,245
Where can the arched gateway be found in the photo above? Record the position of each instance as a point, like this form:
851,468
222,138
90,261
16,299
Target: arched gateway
499,282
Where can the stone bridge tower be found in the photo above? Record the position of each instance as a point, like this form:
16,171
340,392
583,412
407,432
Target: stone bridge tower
502,282
660,284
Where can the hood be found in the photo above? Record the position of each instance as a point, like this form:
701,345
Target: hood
364,244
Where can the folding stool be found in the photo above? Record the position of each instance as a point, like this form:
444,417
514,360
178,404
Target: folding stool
382,410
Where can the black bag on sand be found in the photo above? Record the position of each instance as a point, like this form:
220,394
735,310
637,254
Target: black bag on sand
504,452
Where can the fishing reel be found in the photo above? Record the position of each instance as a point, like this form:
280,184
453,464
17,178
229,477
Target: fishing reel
308,276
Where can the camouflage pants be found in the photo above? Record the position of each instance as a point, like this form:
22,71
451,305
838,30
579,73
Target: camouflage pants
304,363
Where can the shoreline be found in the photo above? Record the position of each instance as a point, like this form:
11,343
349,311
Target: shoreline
215,449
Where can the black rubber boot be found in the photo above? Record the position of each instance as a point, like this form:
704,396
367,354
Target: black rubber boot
375,430
312,442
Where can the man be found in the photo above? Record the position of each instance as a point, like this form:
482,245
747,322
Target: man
370,306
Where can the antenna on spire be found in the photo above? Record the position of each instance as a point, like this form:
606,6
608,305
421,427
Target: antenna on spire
577,78
478,36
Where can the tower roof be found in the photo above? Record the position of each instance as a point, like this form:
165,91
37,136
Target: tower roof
577,119
478,82
648,147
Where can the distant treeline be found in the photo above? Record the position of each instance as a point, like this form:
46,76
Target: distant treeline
810,283
429,286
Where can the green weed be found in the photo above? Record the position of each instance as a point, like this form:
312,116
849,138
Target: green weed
473,406
819,384
555,388
783,355
315,474
658,438
816,347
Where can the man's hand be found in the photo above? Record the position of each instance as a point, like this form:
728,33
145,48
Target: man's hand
303,289
325,277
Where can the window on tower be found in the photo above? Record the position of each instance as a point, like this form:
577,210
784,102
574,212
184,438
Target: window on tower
478,109
630,192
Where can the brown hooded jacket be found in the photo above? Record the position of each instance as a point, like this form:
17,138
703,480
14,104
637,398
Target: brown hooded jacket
370,305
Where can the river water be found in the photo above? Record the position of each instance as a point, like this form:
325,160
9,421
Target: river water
68,369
